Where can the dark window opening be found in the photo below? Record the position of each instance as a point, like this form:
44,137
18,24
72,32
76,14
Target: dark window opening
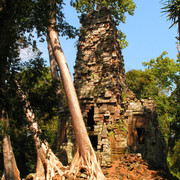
106,119
94,141
90,119
140,133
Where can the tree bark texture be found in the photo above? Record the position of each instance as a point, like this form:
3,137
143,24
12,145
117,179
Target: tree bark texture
40,171
46,160
59,97
80,131
11,171
179,28
86,152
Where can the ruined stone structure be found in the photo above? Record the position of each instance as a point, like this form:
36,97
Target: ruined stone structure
99,71
144,135
99,78
116,121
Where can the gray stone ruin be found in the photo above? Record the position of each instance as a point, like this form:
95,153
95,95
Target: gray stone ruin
117,122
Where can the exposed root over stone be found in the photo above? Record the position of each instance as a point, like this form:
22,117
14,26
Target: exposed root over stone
51,164
87,163
48,165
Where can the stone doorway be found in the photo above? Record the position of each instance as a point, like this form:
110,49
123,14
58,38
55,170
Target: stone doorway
94,141
90,119
140,135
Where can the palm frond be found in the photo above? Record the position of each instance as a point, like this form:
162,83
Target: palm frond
172,9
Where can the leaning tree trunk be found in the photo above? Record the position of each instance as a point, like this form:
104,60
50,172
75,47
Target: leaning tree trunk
59,97
179,27
11,171
46,160
178,38
85,157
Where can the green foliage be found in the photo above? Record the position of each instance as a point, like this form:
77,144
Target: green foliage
118,8
142,83
21,140
122,40
37,81
163,110
165,71
174,159
172,9
19,19
24,149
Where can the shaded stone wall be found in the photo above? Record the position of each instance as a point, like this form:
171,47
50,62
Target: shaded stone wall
116,121
144,135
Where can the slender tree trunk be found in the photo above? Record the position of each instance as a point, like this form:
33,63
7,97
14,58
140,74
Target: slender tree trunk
40,170
83,141
59,97
53,63
11,171
179,27
46,160
86,152
178,38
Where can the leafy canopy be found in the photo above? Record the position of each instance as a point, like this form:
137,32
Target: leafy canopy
20,18
118,8
36,81
142,83
165,70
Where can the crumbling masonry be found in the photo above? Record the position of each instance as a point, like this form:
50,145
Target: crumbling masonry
116,121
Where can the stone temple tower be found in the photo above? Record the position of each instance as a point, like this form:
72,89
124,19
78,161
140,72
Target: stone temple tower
115,119
99,76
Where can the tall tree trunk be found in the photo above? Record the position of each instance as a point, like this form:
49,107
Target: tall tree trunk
86,157
45,157
59,97
178,44
179,27
40,170
11,171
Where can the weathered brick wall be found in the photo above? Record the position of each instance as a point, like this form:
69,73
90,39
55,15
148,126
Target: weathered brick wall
99,71
115,119
144,135
99,77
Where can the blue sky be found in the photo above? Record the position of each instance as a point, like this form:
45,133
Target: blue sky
147,32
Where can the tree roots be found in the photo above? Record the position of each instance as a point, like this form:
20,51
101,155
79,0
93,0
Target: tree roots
54,170
87,163
50,163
